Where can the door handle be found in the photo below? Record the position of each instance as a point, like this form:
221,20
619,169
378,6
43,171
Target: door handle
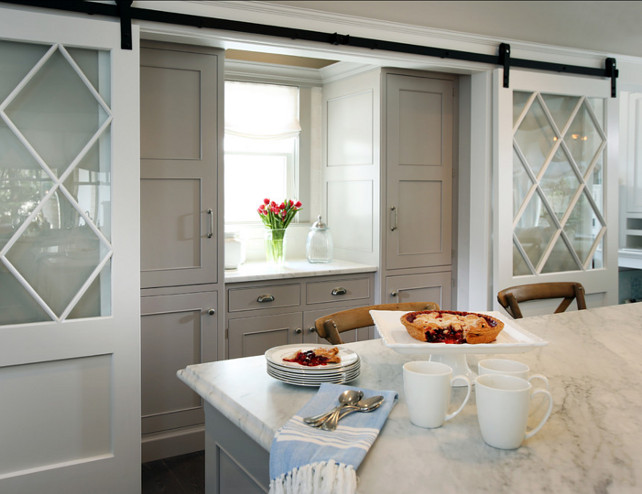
264,299
393,218
210,232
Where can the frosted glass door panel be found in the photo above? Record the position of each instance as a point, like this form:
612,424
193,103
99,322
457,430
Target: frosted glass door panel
558,149
55,183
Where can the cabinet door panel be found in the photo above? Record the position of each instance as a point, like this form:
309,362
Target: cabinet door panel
250,336
432,287
176,331
419,138
179,160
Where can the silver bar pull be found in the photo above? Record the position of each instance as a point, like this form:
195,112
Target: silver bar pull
393,218
263,299
339,291
210,233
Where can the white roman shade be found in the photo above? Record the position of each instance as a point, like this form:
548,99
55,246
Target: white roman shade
261,111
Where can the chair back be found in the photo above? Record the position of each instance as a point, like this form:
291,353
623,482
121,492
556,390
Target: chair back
330,326
510,298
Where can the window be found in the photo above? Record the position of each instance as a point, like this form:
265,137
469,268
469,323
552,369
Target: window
261,147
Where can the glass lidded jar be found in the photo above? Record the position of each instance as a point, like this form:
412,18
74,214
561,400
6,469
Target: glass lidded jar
318,246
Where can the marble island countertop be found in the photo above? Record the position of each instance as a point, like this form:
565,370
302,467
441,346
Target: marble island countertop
591,443
295,268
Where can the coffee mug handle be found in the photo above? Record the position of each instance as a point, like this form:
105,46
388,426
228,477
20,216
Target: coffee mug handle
460,378
546,415
540,377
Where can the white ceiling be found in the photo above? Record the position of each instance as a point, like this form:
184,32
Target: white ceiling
611,27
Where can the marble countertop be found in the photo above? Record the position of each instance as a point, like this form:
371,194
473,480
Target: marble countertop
295,268
591,443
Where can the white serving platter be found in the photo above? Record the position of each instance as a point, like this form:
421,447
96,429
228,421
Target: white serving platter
512,339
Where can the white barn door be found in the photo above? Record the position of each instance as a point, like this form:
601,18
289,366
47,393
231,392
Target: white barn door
69,256
555,187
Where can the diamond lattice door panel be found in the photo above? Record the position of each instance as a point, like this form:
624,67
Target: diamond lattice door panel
55,195
558,166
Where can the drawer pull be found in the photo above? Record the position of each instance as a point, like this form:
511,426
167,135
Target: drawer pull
298,331
210,232
263,299
393,218
339,291
394,293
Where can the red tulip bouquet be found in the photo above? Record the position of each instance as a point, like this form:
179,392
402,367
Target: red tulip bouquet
277,217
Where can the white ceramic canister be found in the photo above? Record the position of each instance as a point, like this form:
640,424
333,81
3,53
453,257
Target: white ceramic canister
233,250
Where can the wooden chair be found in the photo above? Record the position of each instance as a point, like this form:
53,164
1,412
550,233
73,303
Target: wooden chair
510,298
330,326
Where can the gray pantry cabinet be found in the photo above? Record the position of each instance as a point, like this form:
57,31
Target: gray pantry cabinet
181,276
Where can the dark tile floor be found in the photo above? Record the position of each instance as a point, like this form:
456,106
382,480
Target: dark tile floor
177,475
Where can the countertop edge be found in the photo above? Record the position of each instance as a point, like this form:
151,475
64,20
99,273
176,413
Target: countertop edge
298,268
234,412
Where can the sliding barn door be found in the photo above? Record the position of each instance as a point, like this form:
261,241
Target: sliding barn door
556,184
69,256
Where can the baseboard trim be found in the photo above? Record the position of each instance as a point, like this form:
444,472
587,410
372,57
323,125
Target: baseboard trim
176,442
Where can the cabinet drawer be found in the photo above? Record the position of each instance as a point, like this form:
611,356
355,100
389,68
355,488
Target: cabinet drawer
337,290
267,297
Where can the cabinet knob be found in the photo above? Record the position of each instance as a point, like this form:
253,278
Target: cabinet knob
312,329
263,299
339,291
394,293
211,312
298,331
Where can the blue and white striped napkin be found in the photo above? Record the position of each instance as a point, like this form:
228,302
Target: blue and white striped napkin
307,460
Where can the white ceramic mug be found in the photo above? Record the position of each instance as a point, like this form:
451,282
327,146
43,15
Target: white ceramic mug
503,404
510,368
427,389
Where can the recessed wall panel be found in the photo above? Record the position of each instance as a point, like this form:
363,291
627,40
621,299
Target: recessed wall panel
350,130
350,209
54,412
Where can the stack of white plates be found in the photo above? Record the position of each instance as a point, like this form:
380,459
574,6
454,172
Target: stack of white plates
302,375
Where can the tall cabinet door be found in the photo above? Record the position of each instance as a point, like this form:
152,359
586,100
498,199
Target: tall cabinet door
179,157
419,144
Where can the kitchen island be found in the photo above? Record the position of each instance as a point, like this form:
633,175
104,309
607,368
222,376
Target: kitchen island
591,443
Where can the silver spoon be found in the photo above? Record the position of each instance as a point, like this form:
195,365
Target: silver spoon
366,405
348,397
